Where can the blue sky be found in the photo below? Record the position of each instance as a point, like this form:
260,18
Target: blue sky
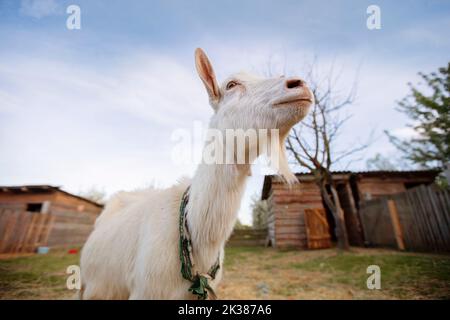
97,106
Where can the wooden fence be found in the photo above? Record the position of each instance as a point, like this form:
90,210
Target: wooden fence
418,220
22,231
248,237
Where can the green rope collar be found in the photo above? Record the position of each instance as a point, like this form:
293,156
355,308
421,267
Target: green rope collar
200,285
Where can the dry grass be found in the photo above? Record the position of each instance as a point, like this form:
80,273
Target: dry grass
261,273
257,273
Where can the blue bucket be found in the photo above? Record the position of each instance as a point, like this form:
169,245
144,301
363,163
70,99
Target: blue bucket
43,250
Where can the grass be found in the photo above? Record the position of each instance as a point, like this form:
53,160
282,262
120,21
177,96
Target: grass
36,276
403,275
264,273
253,273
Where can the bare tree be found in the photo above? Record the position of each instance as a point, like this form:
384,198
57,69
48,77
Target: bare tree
312,143
94,194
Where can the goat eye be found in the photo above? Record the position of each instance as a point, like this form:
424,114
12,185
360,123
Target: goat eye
231,84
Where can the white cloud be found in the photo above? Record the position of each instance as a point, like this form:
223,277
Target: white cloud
39,8
405,133
77,125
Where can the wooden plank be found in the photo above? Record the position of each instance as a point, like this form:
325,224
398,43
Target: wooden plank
21,227
10,223
5,212
437,210
396,224
320,215
292,235
291,241
407,222
4,217
289,222
12,232
289,228
429,217
429,222
37,233
26,247
43,237
443,195
445,206
422,227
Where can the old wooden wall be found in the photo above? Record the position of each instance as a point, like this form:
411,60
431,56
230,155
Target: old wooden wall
373,188
22,231
288,207
74,221
377,224
64,220
418,220
70,227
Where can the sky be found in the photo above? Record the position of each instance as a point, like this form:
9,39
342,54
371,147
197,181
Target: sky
97,107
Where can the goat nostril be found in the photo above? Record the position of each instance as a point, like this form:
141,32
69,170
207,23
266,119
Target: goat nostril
294,83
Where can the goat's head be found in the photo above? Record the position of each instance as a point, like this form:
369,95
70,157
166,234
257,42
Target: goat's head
245,102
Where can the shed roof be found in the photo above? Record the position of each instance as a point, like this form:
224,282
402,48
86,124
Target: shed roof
431,174
43,189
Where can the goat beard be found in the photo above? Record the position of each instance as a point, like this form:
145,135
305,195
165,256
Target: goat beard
282,167
284,171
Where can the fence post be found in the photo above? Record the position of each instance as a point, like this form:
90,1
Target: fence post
396,224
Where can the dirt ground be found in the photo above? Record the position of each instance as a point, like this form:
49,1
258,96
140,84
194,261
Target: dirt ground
265,273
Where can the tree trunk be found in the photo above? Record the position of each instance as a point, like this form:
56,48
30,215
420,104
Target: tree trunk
334,206
341,229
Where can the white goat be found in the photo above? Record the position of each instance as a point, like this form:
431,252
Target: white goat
133,252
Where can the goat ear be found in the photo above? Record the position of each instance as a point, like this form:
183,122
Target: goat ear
206,73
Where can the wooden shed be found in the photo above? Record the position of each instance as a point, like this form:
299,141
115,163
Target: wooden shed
298,217
43,215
